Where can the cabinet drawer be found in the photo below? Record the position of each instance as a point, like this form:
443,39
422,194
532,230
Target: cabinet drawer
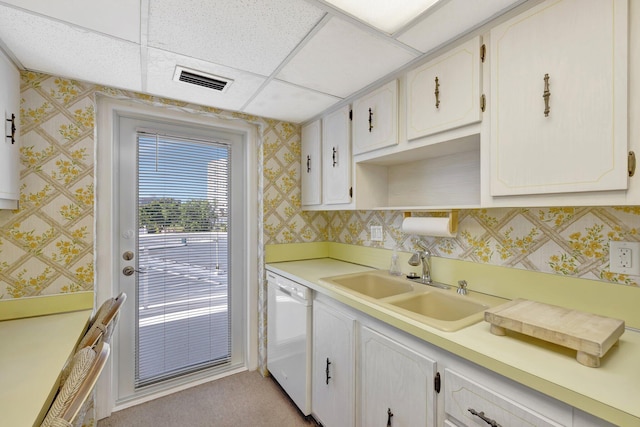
463,395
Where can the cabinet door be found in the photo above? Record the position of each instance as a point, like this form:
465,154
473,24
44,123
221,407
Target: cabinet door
336,157
396,384
559,99
9,147
445,93
311,164
375,119
467,402
333,382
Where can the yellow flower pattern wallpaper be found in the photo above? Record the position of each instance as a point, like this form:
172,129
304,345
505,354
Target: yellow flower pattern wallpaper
47,245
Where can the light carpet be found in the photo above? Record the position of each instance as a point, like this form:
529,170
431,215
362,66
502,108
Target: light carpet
239,400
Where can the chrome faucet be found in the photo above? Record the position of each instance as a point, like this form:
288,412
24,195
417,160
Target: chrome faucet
423,256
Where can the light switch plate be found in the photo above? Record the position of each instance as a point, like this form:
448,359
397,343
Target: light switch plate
376,233
624,257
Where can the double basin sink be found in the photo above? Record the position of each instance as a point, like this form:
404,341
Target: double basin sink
442,309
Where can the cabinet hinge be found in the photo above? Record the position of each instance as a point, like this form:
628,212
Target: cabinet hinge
351,115
483,103
483,52
631,163
436,382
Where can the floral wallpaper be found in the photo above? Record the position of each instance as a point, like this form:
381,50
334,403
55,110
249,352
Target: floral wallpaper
570,241
47,245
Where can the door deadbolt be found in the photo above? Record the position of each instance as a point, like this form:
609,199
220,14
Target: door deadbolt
128,270
127,256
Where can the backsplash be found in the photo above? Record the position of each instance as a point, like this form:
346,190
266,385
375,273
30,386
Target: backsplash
571,241
46,246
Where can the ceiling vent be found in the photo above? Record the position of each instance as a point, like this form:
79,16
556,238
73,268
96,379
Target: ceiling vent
199,78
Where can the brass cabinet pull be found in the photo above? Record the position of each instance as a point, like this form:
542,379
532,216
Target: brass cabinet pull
481,415
437,93
546,95
370,119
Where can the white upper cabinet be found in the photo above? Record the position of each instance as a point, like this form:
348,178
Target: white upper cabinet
311,167
375,119
336,157
445,92
10,146
559,99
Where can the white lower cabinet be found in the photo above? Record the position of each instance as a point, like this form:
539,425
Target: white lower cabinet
469,403
396,384
368,373
333,380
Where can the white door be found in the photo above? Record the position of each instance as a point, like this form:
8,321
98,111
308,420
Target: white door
333,381
445,93
181,222
311,173
396,384
559,99
336,157
375,119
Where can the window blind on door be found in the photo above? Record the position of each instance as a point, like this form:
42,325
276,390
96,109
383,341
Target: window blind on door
183,295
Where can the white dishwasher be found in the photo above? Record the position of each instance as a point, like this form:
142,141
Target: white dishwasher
289,351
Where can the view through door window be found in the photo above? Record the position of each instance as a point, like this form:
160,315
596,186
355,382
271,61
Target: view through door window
183,278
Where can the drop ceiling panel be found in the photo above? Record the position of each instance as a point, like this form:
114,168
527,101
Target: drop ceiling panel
119,18
64,50
282,101
342,58
160,69
449,21
252,35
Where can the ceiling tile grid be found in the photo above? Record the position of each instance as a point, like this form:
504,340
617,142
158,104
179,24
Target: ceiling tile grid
342,58
290,60
252,35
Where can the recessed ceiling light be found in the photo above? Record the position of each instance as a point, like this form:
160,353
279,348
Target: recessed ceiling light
386,15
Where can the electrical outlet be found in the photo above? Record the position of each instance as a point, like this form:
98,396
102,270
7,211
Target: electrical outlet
376,233
624,257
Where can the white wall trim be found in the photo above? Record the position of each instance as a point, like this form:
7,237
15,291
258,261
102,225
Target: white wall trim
106,209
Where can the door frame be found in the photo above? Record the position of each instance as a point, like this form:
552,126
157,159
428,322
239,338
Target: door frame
106,213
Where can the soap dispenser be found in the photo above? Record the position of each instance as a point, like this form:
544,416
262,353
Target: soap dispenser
394,269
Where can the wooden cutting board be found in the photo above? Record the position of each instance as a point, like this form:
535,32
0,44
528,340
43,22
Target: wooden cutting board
590,334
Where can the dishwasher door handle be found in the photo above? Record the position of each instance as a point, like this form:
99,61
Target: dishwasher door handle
284,290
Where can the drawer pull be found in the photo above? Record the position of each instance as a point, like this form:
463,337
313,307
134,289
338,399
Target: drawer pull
437,93
327,370
389,415
487,420
370,120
